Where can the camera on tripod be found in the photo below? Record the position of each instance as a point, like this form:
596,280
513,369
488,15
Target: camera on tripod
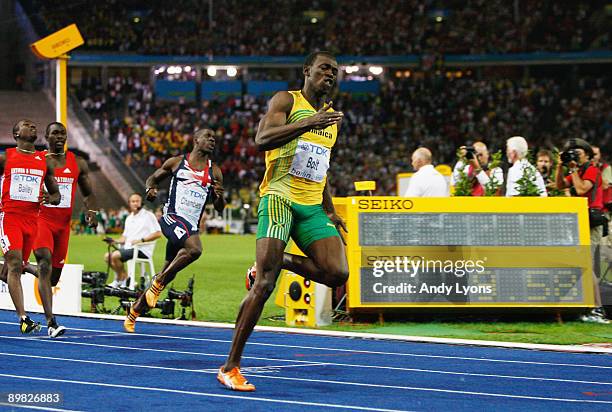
96,282
185,297
95,279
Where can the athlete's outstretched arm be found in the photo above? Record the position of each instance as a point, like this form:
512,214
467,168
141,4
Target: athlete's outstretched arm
160,174
89,198
51,184
273,130
219,201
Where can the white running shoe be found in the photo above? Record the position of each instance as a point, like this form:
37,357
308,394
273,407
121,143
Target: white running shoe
597,315
54,330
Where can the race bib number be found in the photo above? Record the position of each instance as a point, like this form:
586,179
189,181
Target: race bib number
310,161
179,232
25,186
65,190
190,200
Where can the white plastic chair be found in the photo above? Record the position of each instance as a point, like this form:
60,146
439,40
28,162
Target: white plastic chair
131,266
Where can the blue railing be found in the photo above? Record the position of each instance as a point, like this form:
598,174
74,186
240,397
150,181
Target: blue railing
397,60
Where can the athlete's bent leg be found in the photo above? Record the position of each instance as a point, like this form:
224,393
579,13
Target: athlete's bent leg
191,251
43,260
326,263
56,273
14,261
269,259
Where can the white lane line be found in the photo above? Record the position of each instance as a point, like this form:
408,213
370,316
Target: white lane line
75,336
65,342
39,408
345,350
498,395
408,388
133,365
203,394
360,335
249,370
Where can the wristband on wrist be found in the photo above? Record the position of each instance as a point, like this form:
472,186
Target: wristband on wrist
93,211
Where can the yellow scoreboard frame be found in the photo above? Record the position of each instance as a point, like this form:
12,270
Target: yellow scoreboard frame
572,256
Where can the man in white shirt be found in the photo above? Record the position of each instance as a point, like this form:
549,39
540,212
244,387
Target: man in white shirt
516,150
476,166
141,226
427,181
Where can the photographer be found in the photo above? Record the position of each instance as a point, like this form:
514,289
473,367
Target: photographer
544,164
475,164
584,179
606,184
606,178
140,226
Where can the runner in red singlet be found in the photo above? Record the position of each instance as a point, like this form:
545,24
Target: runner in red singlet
53,233
23,170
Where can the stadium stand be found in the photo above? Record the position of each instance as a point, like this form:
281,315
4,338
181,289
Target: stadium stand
475,26
444,113
37,107
16,105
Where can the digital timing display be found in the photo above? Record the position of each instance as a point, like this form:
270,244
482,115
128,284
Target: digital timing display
456,258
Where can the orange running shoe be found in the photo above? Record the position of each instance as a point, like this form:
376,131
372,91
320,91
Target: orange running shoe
130,322
234,380
152,293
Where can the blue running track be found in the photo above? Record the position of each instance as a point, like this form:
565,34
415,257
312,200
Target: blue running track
98,367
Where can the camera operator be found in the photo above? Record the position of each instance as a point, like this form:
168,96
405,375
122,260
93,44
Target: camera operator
140,226
606,178
584,179
475,164
544,164
606,185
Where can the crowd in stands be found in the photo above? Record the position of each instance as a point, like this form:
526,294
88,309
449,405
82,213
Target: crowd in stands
378,133
283,27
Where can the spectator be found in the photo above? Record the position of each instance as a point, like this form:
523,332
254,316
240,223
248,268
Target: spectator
516,151
427,181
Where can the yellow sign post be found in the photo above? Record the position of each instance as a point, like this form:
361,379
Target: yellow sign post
56,46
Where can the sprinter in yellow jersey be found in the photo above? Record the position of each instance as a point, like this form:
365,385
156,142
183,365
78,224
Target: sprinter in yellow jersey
297,133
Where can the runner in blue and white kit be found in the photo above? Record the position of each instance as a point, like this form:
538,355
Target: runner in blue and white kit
194,180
